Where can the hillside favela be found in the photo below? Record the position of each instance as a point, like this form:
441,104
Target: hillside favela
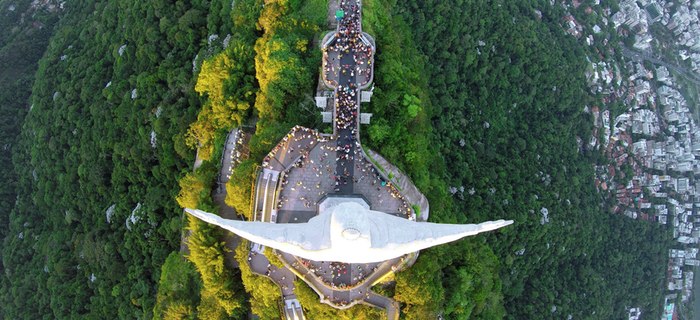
350,159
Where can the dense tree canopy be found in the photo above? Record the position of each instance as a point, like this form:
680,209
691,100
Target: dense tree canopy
26,32
99,157
508,94
480,103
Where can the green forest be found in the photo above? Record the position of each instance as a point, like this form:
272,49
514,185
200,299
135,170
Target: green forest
508,93
99,155
22,44
104,105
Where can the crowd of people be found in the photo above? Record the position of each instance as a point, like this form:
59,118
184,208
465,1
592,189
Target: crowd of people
334,273
361,56
309,190
299,139
348,42
325,168
313,164
367,170
346,107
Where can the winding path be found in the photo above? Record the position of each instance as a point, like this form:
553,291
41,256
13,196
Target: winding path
231,241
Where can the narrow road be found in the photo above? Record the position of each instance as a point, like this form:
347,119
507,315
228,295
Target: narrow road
231,241
642,56
282,277
219,195
229,155
391,306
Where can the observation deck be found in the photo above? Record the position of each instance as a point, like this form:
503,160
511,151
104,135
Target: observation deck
307,169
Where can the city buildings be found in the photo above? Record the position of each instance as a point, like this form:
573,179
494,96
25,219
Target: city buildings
646,128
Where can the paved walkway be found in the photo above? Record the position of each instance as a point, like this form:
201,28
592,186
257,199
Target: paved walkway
391,306
339,275
282,277
231,155
345,296
229,159
293,147
305,167
355,60
313,177
347,64
404,184
333,6
346,143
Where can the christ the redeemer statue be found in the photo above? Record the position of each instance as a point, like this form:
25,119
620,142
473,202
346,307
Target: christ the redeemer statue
350,233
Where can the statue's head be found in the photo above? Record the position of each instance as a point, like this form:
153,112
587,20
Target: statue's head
349,227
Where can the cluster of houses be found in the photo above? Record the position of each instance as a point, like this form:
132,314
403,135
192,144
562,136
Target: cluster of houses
634,314
681,17
576,29
637,19
685,24
645,126
658,140
653,147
